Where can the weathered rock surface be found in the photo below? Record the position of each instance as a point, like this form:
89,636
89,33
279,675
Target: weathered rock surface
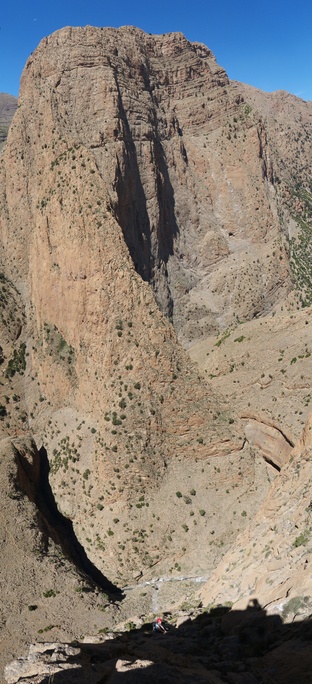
271,559
264,369
139,185
8,106
257,648
190,162
275,448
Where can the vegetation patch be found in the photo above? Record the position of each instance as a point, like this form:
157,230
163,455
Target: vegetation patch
301,249
17,364
295,605
303,538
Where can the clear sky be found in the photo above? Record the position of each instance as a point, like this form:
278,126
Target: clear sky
267,43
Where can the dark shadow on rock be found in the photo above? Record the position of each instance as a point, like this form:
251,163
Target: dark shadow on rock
149,245
238,647
131,211
33,476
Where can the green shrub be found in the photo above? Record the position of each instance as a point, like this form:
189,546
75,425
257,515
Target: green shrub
130,626
224,337
3,411
46,629
49,593
17,364
295,604
303,538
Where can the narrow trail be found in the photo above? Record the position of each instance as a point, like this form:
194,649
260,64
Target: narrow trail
162,580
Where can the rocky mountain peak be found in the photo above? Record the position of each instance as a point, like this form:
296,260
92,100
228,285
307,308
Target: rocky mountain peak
155,331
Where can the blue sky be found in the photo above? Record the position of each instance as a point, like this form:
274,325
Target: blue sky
266,44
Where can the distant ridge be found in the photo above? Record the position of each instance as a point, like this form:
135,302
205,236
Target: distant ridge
8,106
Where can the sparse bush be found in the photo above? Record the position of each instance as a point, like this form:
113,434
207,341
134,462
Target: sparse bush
3,411
295,605
50,593
18,362
303,538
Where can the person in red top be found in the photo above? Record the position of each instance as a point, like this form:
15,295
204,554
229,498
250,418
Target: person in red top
158,626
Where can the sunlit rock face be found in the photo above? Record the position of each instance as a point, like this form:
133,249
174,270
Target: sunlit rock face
147,204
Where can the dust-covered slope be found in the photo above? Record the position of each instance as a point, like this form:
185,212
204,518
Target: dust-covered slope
271,559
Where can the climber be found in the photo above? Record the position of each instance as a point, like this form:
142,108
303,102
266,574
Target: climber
158,626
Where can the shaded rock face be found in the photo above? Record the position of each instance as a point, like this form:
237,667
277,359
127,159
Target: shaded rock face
8,106
237,647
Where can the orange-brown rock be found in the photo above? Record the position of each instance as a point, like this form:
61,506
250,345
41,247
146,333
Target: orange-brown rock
145,201
270,560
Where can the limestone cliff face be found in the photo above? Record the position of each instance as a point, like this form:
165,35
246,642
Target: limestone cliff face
8,105
106,389
139,185
131,162
197,173
271,559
